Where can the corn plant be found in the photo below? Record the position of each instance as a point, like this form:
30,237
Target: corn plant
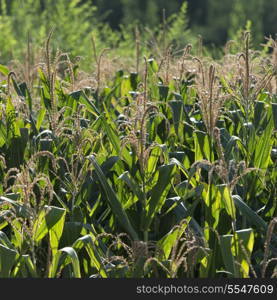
169,171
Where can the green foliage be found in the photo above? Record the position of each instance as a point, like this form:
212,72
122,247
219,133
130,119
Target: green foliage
178,29
7,38
165,172
247,14
71,20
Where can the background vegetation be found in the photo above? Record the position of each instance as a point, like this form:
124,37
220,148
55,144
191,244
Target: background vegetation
113,23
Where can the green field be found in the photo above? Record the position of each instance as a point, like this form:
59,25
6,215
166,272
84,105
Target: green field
160,164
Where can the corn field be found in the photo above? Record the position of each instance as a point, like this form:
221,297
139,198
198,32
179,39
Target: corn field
166,170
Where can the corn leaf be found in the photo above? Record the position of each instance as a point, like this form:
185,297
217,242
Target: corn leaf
113,201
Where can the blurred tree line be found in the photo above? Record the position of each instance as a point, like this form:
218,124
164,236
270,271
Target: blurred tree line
112,22
215,20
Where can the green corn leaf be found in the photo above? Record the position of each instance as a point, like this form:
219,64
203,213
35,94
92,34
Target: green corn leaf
71,232
226,245
17,88
40,117
3,134
48,217
113,201
177,110
90,246
24,267
228,200
109,163
159,193
202,146
153,160
4,240
250,214
8,259
46,100
167,242
263,148
55,233
154,65
115,140
125,86
212,198
132,185
24,90
188,174
81,97
62,258
233,141
29,264
163,92
13,124
259,113
252,217
234,255
20,209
